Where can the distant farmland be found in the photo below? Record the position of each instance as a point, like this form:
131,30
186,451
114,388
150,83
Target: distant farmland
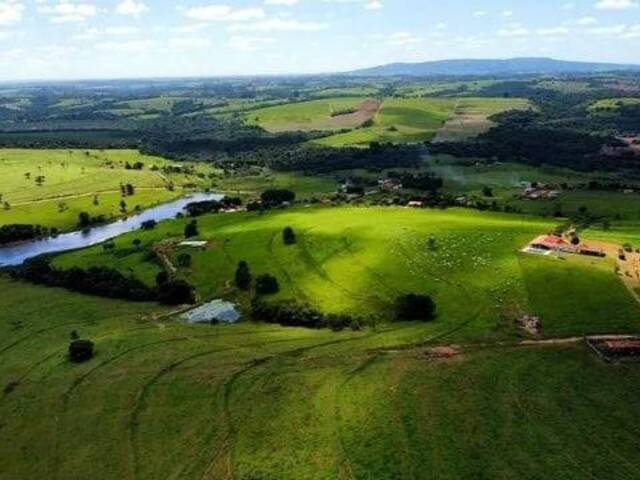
471,117
400,120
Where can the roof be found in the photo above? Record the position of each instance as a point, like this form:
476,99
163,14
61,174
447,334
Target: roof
550,241
216,310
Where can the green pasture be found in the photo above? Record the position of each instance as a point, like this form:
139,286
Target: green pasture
400,120
306,116
165,400
613,103
359,260
72,179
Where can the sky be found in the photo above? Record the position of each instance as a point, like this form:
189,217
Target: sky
86,39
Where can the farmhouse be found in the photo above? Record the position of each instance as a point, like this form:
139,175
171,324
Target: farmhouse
551,243
415,204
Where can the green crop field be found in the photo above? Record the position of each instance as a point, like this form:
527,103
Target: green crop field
71,179
165,400
471,117
400,120
358,260
308,116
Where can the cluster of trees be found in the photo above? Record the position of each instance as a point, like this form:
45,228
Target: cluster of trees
85,220
196,209
275,197
19,233
296,314
415,307
265,284
105,282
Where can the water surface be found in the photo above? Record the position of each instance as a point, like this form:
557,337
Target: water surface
17,253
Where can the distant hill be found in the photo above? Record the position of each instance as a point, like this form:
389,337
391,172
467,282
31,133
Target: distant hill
514,66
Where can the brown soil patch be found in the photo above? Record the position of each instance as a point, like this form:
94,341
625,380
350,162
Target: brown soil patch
365,112
440,353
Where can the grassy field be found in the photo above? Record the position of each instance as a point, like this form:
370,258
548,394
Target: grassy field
71,179
471,117
400,120
306,116
613,103
165,400
303,186
358,260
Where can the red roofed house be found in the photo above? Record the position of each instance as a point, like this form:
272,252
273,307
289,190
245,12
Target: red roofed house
552,242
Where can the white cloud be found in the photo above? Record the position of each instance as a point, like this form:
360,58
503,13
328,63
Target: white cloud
133,46
612,30
285,3
374,5
241,42
131,7
10,12
189,42
224,13
587,21
616,4
514,30
64,11
278,25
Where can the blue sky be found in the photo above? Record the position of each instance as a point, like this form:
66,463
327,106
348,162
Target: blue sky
64,39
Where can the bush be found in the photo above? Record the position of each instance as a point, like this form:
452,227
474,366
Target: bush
175,292
191,230
267,285
184,260
415,307
294,314
243,276
148,225
80,351
277,197
18,233
289,236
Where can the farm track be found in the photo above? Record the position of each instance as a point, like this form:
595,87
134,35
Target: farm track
134,421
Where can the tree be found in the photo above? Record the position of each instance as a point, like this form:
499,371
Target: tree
191,230
129,189
267,285
137,243
80,351
487,192
277,196
96,200
184,260
243,276
415,307
148,225
289,236
84,219
123,206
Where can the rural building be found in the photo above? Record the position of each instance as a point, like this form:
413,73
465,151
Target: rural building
551,243
415,204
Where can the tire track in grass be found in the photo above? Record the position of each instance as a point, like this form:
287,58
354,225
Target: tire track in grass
283,270
226,390
40,332
80,380
346,466
143,394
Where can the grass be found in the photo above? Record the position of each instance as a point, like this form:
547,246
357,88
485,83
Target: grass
613,103
400,120
471,117
163,399
72,178
358,260
306,116
303,186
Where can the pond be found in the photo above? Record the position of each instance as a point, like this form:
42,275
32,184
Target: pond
16,254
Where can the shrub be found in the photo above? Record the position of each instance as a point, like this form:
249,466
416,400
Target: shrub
80,351
289,236
191,230
148,225
415,307
175,292
243,276
184,260
267,285
277,197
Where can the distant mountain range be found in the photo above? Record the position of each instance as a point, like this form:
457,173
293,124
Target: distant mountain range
513,66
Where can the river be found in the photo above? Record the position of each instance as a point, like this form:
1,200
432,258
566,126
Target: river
16,254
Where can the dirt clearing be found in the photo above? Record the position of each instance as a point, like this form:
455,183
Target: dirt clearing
366,111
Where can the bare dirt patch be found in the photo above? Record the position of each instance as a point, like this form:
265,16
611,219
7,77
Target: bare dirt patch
366,111
445,352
